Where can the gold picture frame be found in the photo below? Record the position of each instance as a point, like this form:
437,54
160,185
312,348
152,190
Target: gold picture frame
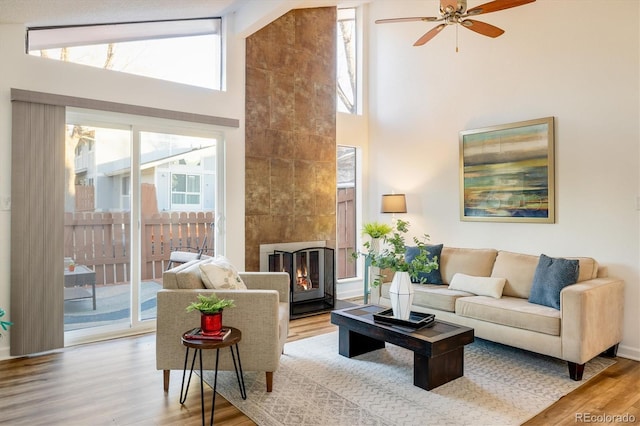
507,173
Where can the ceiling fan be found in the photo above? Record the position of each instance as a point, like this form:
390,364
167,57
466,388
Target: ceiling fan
455,12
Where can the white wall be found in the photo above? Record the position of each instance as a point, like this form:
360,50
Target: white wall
557,58
18,70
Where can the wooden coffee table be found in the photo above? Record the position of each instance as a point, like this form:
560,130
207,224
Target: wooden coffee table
438,351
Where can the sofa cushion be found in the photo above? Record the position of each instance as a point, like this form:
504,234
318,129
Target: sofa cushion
511,312
552,275
220,274
481,286
518,269
470,261
435,296
588,268
433,277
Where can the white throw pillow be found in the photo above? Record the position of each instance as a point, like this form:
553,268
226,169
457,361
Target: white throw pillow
481,286
220,274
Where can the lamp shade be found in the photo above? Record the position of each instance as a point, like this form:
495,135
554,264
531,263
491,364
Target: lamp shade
394,203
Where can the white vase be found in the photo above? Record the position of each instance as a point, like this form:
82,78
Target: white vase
401,295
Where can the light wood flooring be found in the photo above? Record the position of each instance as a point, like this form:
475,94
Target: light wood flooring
116,383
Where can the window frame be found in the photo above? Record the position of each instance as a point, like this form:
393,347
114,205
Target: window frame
358,62
44,38
186,193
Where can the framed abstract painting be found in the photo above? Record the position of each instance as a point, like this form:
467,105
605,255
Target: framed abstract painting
507,173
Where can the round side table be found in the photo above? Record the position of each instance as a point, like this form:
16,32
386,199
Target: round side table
199,345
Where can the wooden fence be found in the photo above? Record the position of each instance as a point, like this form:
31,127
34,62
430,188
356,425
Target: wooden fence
102,241
346,230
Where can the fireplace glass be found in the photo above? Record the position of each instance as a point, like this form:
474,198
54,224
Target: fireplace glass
312,278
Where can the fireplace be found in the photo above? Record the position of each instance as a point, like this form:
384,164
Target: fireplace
312,278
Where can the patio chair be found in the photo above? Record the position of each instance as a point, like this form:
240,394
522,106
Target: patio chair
179,257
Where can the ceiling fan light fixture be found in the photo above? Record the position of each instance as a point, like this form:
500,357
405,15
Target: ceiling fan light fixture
454,11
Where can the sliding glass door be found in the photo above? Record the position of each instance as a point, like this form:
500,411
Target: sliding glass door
137,190
97,225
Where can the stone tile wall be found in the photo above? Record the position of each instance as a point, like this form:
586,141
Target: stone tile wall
290,177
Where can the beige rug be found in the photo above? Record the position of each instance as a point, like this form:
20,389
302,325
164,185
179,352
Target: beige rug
316,386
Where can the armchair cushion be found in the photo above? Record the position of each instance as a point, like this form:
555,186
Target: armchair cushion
188,277
220,274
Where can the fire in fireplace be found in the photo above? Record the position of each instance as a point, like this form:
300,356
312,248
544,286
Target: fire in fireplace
312,276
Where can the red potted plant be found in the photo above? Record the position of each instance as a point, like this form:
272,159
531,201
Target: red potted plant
210,308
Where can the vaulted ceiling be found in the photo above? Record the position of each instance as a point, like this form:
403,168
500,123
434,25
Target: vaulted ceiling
250,15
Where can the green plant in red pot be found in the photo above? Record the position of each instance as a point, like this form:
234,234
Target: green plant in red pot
211,309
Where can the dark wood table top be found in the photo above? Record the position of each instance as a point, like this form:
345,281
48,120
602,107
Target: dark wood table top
234,337
439,338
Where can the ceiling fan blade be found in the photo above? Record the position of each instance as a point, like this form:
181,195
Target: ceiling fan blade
423,18
496,5
429,35
482,28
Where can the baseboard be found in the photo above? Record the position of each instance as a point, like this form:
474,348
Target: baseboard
4,353
629,352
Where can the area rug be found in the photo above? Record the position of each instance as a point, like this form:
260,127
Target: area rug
316,386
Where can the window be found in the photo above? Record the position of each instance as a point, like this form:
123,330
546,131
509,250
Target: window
185,189
166,168
347,62
183,51
346,217
126,183
121,249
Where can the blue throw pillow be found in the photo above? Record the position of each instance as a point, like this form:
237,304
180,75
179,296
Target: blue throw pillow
551,276
433,277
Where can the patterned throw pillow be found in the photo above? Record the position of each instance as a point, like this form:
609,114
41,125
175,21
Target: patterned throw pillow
220,274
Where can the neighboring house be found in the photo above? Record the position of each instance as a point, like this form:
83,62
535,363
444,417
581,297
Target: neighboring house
181,176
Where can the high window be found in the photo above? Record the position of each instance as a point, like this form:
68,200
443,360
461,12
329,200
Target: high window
182,51
347,62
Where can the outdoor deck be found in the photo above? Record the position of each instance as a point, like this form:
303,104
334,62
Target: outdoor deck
112,306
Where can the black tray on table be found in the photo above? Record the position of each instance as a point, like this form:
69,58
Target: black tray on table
416,319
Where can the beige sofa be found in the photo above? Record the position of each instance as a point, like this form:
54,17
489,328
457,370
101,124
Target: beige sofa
588,323
261,314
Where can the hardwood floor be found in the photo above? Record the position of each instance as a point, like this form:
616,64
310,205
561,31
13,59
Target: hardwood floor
116,383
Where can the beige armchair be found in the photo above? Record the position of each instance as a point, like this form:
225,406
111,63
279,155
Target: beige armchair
261,314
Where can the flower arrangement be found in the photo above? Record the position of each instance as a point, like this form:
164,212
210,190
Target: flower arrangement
392,255
210,304
376,229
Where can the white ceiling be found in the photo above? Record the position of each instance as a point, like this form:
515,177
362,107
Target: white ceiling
72,12
249,15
